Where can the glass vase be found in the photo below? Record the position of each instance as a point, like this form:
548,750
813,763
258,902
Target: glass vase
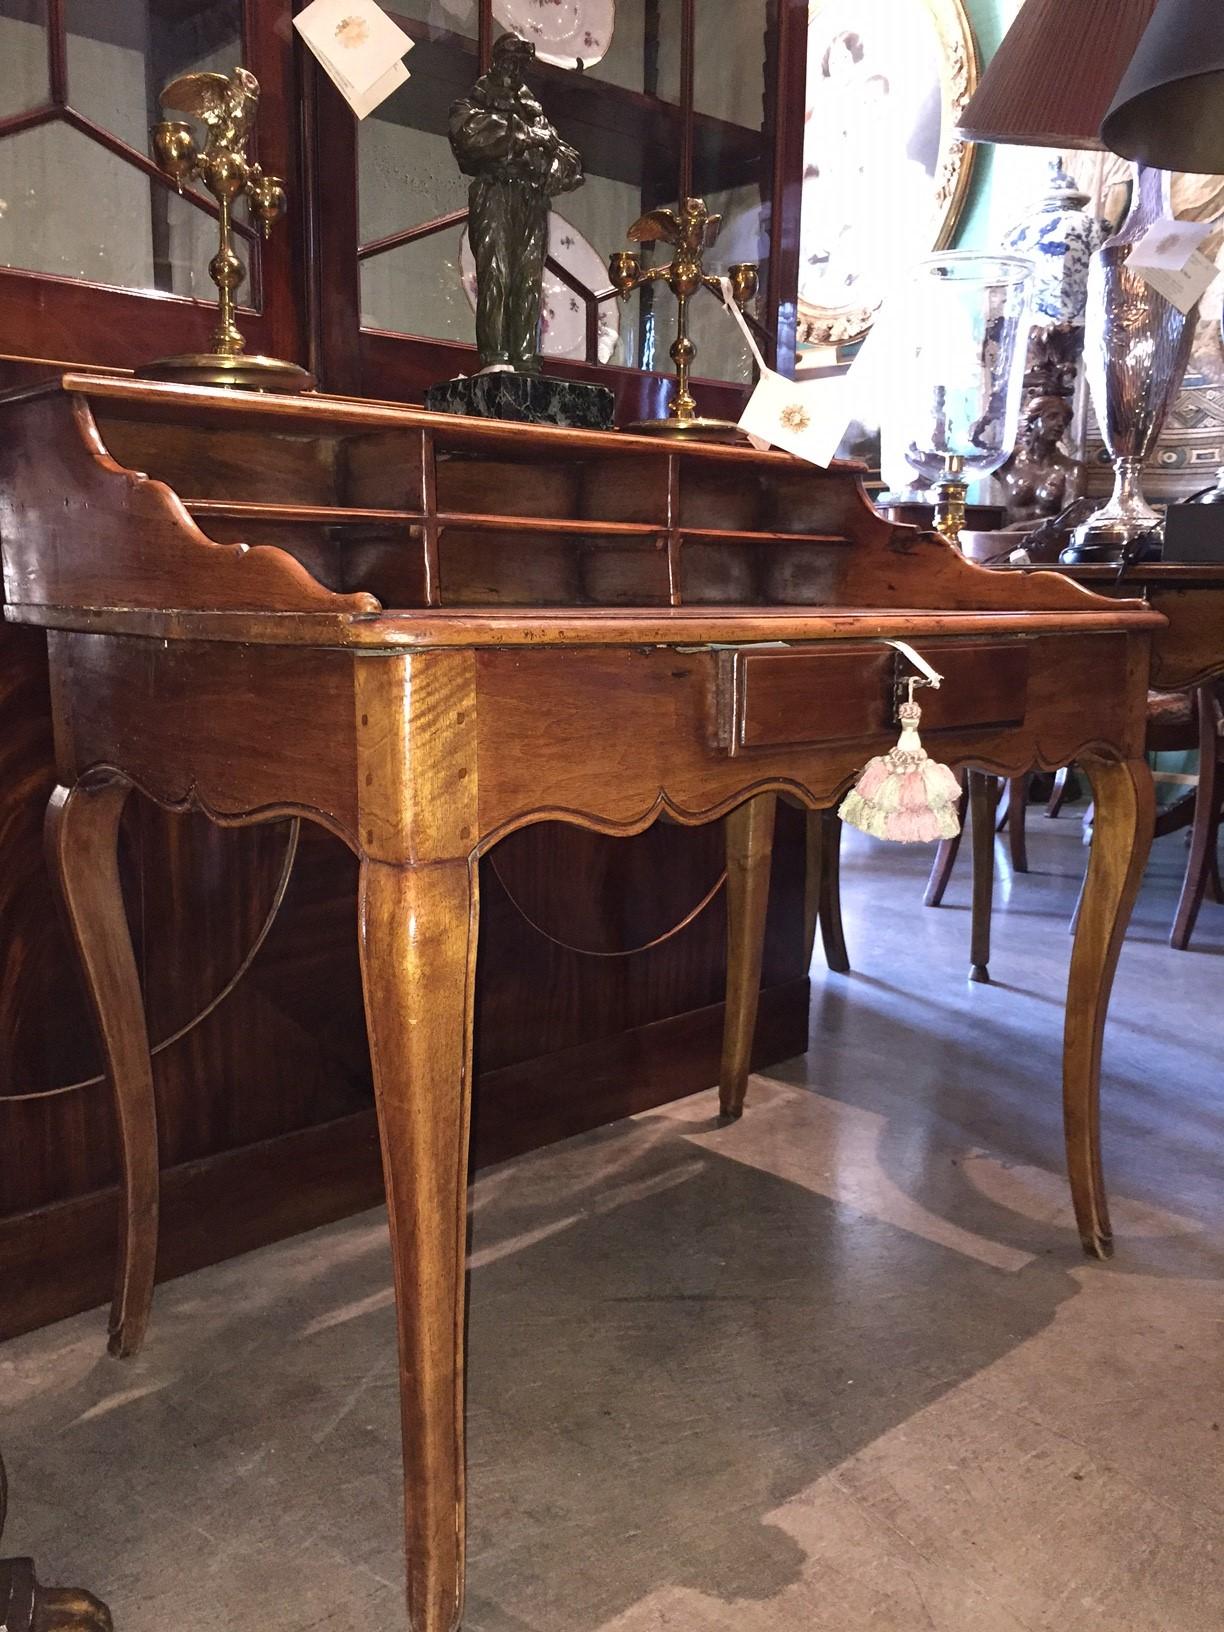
961,327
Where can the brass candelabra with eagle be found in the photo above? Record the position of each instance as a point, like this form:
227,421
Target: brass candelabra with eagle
690,231
226,108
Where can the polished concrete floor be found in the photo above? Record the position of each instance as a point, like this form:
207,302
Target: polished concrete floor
840,1367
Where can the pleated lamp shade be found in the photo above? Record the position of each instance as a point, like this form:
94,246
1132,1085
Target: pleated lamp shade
1055,75
1169,109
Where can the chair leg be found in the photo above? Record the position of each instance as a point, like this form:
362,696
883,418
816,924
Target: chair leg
983,794
813,879
1205,830
1215,884
749,831
945,855
82,847
417,937
1058,793
822,890
1003,809
832,930
1121,840
1017,815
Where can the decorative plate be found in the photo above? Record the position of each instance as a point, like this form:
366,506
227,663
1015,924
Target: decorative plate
567,33
885,168
562,310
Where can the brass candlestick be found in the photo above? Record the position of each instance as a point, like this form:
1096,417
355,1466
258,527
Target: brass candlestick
691,232
226,109
950,491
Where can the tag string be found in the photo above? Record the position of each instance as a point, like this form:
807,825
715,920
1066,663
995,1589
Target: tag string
932,676
729,303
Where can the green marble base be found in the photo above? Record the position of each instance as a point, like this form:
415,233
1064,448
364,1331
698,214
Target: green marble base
532,399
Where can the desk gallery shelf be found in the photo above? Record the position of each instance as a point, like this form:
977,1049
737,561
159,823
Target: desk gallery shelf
395,506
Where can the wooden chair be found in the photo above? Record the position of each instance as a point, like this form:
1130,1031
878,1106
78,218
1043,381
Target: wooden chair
1203,862
1177,721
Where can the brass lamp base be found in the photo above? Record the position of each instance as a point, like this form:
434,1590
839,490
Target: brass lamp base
697,429
238,371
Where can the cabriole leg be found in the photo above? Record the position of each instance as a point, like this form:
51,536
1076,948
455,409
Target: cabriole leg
1121,839
749,831
417,932
822,890
82,846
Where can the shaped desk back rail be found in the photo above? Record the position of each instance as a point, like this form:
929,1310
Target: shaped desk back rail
144,508
270,540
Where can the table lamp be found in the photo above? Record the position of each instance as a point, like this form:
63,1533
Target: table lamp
1169,108
1055,73
1050,84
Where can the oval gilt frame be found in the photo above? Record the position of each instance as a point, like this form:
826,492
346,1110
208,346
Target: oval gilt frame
959,67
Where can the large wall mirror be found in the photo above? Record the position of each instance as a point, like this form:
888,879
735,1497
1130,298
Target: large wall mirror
885,171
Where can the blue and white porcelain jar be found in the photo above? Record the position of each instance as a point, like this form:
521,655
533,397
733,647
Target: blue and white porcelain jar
1059,237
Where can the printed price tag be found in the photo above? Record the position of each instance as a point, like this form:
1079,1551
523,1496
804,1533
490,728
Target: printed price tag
360,48
1168,258
808,418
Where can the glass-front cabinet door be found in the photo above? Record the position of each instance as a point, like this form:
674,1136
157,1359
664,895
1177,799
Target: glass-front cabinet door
83,206
663,99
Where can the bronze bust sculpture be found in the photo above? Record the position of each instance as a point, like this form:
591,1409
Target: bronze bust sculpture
517,161
1041,480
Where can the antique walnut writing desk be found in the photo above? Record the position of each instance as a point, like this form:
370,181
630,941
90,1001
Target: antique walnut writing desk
682,634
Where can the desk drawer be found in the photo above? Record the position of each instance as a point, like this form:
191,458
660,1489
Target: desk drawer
791,699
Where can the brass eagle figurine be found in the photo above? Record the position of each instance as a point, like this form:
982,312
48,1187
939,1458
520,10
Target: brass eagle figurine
226,107
690,231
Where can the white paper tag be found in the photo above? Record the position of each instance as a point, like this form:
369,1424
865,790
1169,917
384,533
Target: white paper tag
805,417
358,45
933,676
367,101
1168,257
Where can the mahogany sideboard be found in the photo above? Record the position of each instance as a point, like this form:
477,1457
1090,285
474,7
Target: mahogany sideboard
701,631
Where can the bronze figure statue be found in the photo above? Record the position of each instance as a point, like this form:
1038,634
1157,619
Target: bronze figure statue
1041,480
517,162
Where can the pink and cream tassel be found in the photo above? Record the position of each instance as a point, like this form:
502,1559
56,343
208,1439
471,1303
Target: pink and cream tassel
904,795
